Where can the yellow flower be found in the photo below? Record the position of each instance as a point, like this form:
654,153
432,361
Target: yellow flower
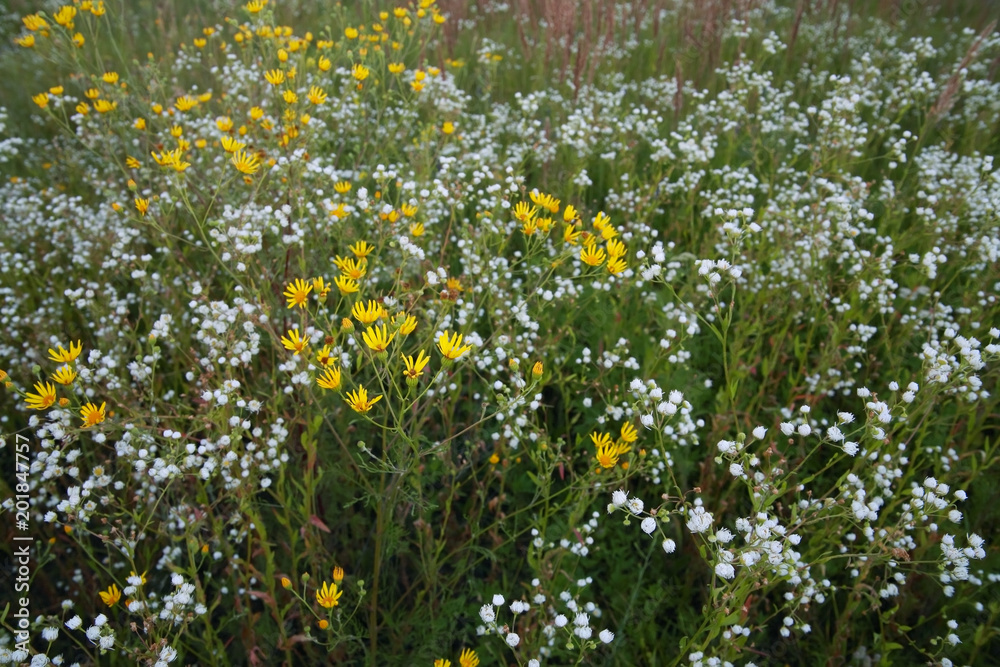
408,325
286,582
82,108
417,229
415,367
352,268
231,145
111,596
283,55
409,210
110,77
200,42
45,397
324,64
185,103
524,213
537,369
397,68
275,77
366,314
448,127
34,22
607,450
377,338
342,187
359,72
290,97
570,214
27,41
297,293
545,201
529,227
141,205
79,40
451,347
346,285
468,657
592,255
361,249
64,16
328,596
316,95
351,33
92,415
254,6
65,375
64,356
616,265
616,249
247,164
41,99
256,113
359,402
293,342
338,575
224,123
330,379
104,106
601,221
629,433
441,662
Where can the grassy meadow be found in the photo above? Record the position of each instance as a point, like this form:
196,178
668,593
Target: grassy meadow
539,332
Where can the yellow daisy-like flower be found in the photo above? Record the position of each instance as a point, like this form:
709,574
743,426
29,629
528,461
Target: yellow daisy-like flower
316,95
366,314
408,325
290,97
592,255
342,187
224,123
27,41
628,433
92,415
602,221
325,357
34,22
45,397
417,229
111,596
330,379
358,400
346,285
110,77
275,77
616,265
41,99
545,201
65,375
441,662
141,205
451,347
231,145
529,227
523,212
397,68
377,338
104,106
324,64
63,356
570,214
361,249
616,249
254,6
185,103
468,658
607,455
293,342
351,33
354,269
447,127
609,233
247,164
297,293
359,72
415,367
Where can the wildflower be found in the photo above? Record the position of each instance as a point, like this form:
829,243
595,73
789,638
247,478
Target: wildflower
316,95
185,103
320,288
141,205
351,33
92,415
358,400
41,99
231,145
545,201
27,41
346,285
378,338
104,106
78,40
45,397
65,375
602,221
606,636
338,575
628,433
616,249
570,214
224,123
63,356
537,369
571,234
468,658
414,367
247,164
408,325
324,64
366,313
592,255
359,72
34,22
111,596
290,97
616,266
529,227
330,379
353,269
448,127
441,662
110,77
297,293
397,68
275,77
328,596
452,348
342,187
286,582
254,6
293,342
325,357
65,16
523,213
361,249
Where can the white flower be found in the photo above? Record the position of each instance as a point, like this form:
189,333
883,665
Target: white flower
619,498
513,640
487,613
50,634
635,505
648,525
759,432
699,520
74,623
581,620
669,545
607,636
725,570
561,621
498,600
804,430
787,428
534,663
724,535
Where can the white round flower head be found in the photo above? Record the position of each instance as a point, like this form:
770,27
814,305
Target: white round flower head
635,505
487,613
648,525
513,640
534,663
759,432
498,600
607,636
725,570
561,621
669,546
619,497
